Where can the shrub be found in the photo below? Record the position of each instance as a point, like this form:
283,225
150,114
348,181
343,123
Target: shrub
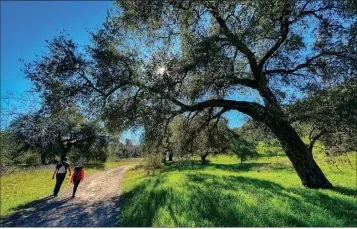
31,159
152,162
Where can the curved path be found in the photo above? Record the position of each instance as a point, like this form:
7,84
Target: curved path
95,205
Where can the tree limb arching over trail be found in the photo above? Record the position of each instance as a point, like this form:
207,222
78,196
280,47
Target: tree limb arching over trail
95,205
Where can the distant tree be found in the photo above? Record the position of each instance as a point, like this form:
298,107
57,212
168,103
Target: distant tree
244,149
59,132
199,137
115,146
34,132
214,139
186,137
129,149
7,146
255,131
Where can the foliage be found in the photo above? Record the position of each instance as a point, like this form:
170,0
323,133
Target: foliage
32,159
8,153
55,134
186,137
244,149
255,131
118,150
329,116
271,148
152,162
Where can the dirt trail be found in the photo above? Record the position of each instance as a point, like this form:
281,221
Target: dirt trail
95,205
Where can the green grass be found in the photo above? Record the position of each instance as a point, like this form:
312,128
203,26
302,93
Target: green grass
264,192
26,186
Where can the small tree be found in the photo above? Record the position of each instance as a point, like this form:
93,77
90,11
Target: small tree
200,137
244,149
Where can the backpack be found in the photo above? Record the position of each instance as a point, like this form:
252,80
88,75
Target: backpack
77,174
62,169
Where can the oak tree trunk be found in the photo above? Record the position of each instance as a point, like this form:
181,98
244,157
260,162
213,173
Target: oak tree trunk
43,158
298,153
203,158
64,152
163,157
170,156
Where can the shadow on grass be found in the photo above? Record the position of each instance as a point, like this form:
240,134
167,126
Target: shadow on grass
32,204
246,167
242,167
206,200
346,191
145,206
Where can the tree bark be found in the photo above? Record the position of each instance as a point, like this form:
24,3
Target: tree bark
64,152
298,153
203,158
170,156
163,157
43,158
241,160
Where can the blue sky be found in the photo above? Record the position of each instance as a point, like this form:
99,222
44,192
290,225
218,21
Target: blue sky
26,25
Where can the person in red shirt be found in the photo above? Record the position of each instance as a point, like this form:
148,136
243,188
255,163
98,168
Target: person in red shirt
77,177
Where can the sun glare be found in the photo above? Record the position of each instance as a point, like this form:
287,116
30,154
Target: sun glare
161,70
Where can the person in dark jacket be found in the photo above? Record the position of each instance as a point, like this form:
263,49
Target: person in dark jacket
60,172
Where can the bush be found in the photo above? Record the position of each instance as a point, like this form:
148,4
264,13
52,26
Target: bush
31,159
244,149
102,155
270,149
152,162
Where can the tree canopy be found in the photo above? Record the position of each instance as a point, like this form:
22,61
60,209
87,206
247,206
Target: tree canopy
57,133
154,60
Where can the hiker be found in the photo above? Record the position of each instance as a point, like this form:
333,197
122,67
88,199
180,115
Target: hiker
60,173
77,177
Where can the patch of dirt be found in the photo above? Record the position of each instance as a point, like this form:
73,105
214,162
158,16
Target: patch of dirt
95,205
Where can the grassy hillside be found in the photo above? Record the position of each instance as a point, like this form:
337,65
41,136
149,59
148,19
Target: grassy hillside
23,187
265,192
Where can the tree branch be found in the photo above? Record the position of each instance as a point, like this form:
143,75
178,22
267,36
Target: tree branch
304,13
307,63
284,30
89,82
315,138
252,109
244,82
236,41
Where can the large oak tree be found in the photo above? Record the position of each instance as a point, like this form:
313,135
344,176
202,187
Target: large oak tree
153,60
